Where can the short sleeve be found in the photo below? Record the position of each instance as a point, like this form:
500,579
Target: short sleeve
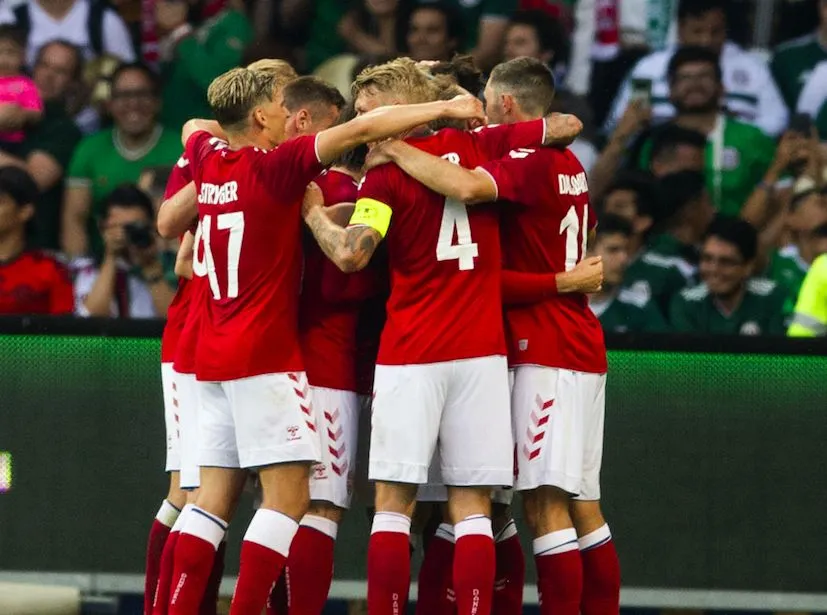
512,175
293,165
180,176
80,168
377,185
497,140
62,295
29,96
200,145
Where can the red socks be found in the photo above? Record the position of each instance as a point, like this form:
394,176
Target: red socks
193,561
601,574
277,602
209,604
309,570
436,593
389,564
510,576
474,566
263,556
158,534
559,573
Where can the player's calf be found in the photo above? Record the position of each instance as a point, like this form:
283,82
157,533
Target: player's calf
601,568
510,573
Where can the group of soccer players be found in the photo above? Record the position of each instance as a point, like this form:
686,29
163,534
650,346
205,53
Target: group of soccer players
473,239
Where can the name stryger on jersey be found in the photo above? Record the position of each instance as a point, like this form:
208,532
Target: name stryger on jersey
218,194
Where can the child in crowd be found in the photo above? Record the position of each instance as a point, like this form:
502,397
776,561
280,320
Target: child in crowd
20,102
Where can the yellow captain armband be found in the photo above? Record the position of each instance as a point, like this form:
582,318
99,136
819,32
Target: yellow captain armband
372,213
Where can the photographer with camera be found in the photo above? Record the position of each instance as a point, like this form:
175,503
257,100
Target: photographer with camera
130,281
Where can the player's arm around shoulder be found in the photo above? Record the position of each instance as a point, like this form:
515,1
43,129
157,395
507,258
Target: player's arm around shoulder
438,174
350,248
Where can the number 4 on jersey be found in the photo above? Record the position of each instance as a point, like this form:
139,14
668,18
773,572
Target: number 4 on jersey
234,221
455,217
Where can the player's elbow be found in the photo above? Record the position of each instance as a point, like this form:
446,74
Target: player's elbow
349,262
165,223
473,191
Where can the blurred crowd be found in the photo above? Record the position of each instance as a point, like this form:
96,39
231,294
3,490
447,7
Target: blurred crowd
704,122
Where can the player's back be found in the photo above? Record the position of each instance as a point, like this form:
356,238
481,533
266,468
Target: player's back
444,261
545,229
249,207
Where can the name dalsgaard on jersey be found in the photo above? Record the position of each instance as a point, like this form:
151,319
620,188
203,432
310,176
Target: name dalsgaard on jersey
575,185
218,194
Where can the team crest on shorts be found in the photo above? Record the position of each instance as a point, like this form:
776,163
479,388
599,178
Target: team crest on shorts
293,433
319,471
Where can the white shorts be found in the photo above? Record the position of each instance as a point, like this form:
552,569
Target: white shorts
257,421
186,390
171,419
338,421
436,491
558,426
462,406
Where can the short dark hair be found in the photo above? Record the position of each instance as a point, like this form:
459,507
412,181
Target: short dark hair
675,192
549,31
140,67
14,34
18,185
453,20
353,159
667,138
463,71
308,91
128,195
642,184
530,82
60,42
698,8
610,224
736,231
690,54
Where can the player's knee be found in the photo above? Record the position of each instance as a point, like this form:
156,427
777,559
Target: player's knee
547,510
176,496
586,516
464,502
220,489
397,498
326,510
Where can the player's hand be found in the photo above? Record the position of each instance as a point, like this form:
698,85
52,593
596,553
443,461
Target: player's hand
381,153
562,129
464,107
587,275
313,198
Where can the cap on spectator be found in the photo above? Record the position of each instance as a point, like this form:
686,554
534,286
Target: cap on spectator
18,185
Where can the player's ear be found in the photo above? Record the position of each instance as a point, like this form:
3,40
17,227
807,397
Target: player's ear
259,117
303,120
508,104
26,212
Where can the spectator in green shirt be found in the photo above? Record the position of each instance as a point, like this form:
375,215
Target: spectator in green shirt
667,265
115,156
807,224
192,58
618,309
737,154
729,300
793,62
631,197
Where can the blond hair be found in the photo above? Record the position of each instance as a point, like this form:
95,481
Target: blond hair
400,77
278,72
233,95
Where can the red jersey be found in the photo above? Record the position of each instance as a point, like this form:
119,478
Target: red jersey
249,209
34,282
179,308
444,258
545,230
327,319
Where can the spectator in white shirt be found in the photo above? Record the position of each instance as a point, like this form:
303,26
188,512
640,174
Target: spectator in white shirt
130,281
91,25
750,92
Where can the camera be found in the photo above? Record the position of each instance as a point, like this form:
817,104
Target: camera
138,234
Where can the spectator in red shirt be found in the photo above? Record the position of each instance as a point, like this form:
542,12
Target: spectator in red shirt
31,281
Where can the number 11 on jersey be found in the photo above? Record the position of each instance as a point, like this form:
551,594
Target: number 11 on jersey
455,217
576,235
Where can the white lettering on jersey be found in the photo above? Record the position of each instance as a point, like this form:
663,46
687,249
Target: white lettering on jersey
214,194
451,157
574,185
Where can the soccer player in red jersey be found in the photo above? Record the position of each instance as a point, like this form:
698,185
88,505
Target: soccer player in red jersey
441,375
255,408
31,281
556,345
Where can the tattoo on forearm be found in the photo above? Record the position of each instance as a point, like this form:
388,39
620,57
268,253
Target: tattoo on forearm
349,248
